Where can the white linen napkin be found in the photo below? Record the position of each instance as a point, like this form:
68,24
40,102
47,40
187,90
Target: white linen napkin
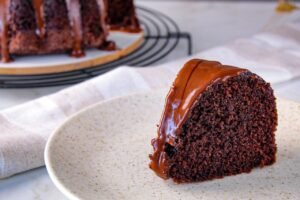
24,129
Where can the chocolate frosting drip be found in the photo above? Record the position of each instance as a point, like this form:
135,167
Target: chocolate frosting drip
194,78
4,31
38,8
103,16
74,9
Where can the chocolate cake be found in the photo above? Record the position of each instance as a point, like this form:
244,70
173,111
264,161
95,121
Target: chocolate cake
218,121
52,26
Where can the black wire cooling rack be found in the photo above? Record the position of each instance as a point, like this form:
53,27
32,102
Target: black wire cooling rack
162,35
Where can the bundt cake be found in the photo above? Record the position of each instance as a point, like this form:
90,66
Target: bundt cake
51,26
218,121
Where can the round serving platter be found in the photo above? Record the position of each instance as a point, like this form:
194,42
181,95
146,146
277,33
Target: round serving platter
102,153
46,64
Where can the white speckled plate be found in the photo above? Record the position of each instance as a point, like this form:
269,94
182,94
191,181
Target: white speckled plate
102,153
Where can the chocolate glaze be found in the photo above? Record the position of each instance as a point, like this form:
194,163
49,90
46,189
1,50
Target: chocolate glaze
194,78
75,19
4,31
38,8
103,16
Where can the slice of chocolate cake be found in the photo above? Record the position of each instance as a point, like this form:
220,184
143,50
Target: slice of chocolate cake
218,121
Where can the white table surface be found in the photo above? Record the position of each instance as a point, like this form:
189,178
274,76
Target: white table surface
211,24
